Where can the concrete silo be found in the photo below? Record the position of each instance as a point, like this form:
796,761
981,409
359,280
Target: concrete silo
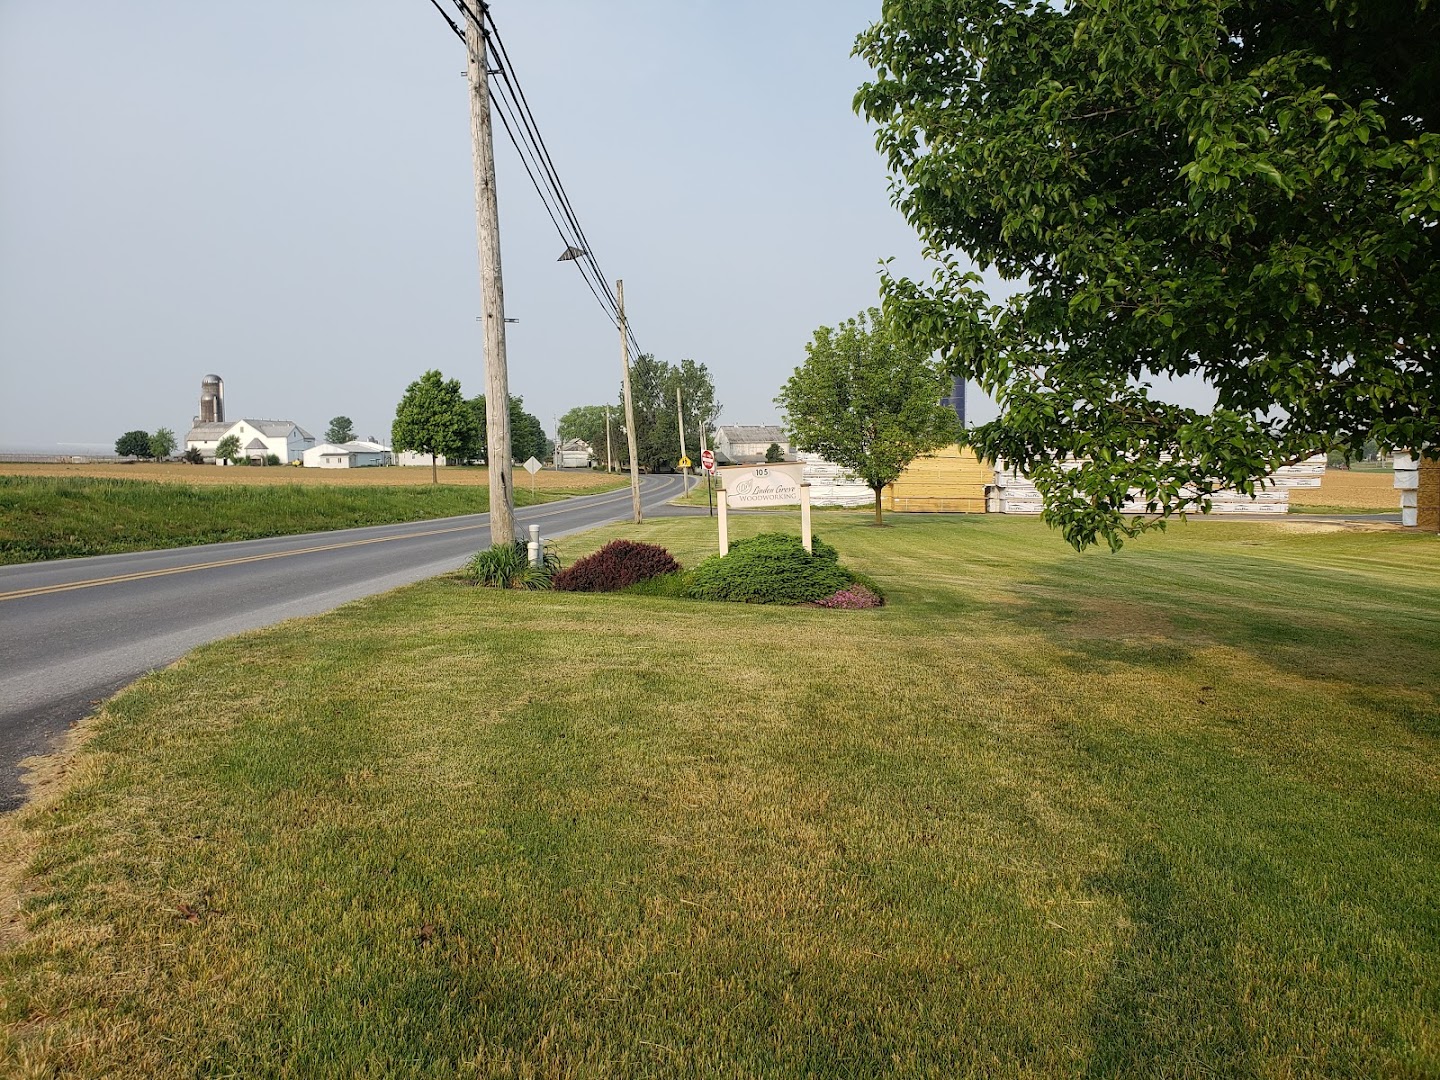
212,400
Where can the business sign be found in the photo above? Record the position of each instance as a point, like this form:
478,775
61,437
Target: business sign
762,485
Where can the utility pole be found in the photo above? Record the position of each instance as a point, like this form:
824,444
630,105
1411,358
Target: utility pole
629,402
492,290
609,454
680,416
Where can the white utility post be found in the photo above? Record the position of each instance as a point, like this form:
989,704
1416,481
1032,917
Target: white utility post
492,291
629,403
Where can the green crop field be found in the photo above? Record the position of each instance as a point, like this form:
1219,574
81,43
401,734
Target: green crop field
64,516
1172,812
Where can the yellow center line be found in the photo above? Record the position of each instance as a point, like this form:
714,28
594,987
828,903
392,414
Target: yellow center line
117,579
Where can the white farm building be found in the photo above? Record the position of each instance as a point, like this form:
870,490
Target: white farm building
285,439
747,443
359,454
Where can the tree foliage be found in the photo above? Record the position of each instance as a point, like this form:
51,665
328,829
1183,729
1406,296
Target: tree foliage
162,443
527,434
1242,190
133,444
341,430
868,398
652,389
587,423
433,418
228,448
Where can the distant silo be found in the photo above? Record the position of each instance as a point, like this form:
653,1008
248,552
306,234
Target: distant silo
212,400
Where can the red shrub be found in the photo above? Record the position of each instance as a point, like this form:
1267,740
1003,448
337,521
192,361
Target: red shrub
616,565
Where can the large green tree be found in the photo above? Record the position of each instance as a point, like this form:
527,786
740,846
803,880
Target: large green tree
587,423
341,430
527,434
652,389
133,444
868,398
1247,191
433,418
162,443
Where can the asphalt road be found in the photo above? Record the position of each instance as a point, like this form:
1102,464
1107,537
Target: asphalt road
74,631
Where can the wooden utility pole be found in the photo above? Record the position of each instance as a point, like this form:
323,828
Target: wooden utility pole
680,416
629,402
492,290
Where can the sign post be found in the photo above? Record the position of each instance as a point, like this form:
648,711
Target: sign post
532,467
707,459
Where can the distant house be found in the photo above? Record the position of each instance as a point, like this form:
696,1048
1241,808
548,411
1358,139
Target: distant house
285,439
359,454
573,454
413,459
746,444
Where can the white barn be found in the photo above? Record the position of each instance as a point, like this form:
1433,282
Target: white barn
285,439
358,454
573,454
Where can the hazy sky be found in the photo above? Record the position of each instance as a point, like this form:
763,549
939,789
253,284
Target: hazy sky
281,193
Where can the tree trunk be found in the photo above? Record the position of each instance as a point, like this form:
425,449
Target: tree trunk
434,472
877,490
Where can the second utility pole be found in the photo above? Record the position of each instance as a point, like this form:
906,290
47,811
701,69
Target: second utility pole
492,290
629,402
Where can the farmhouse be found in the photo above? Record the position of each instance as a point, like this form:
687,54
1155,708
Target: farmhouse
573,454
745,444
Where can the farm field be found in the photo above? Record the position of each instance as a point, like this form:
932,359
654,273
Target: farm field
1349,490
567,481
1174,811
56,515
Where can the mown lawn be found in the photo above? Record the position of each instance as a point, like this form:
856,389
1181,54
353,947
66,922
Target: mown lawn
1172,812
63,516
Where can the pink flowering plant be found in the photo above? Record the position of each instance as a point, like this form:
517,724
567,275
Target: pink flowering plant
852,597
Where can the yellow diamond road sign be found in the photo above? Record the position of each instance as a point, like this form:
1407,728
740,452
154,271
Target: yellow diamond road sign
684,463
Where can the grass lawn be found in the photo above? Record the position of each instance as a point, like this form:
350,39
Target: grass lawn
1172,812
58,515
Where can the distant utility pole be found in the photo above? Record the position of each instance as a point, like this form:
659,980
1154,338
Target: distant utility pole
609,454
492,290
680,415
629,402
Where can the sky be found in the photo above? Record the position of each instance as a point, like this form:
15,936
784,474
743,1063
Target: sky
281,193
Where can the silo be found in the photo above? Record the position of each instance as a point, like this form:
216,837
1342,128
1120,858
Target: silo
212,400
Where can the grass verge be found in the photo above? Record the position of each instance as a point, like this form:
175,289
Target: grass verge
64,517
1170,812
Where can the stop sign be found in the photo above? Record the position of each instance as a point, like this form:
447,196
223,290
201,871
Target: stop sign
707,459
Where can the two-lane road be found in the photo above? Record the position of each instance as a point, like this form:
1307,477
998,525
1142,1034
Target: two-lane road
73,632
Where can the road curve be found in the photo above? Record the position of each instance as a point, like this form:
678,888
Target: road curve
74,631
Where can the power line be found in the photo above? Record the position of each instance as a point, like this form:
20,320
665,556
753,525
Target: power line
523,130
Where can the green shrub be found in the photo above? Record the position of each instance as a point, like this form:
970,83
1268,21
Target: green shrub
674,586
507,566
868,582
771,568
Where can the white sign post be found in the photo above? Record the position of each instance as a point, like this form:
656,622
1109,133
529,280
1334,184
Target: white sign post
532,467
746,486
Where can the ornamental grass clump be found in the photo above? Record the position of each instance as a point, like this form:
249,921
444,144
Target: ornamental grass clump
617,565
771,568
507,566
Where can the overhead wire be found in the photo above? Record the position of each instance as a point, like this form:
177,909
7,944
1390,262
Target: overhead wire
521,127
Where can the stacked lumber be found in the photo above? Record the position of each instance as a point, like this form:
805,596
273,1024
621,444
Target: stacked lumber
834,485
1418,480
949,481
1013,493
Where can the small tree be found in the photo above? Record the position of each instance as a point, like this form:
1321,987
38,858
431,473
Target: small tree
133,444
868,398
162,443
228,449
193,456
433,418
341,430
773,454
